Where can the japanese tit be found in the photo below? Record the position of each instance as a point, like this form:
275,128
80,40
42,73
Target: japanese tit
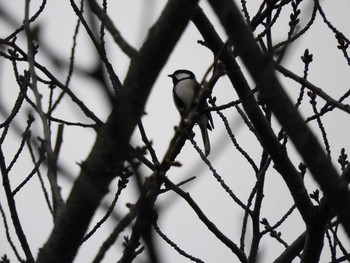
185,89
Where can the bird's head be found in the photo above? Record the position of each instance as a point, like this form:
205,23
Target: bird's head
181,74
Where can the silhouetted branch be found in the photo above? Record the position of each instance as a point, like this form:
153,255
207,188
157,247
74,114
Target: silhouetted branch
105,19
105,161
211,226
13,210
273,95
266,135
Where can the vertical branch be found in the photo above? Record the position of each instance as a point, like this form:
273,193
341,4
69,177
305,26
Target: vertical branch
8,236
51,158
13,210
265,162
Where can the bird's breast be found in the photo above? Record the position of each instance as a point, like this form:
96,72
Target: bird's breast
184,91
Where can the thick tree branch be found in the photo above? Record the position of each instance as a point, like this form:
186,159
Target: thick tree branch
272,93
315,234
110,149
266,135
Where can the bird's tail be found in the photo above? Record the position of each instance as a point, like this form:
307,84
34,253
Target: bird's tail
204,130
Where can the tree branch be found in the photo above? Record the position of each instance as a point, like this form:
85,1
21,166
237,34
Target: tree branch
293,250
111,147
266,135
272,93
105,19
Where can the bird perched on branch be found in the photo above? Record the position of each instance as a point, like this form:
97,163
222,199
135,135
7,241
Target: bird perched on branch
185,89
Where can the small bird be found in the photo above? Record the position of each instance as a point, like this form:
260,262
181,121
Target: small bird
185,89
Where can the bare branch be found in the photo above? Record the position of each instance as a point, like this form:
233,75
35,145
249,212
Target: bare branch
111,147
273,94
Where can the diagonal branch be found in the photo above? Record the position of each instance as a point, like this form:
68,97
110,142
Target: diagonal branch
266,135
211,226
110,150
289,74
108,23
272,93
13,210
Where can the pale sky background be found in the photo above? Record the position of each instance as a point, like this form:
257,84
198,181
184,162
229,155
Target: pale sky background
329,71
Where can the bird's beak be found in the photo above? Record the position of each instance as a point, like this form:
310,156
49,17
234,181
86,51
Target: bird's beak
170,75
